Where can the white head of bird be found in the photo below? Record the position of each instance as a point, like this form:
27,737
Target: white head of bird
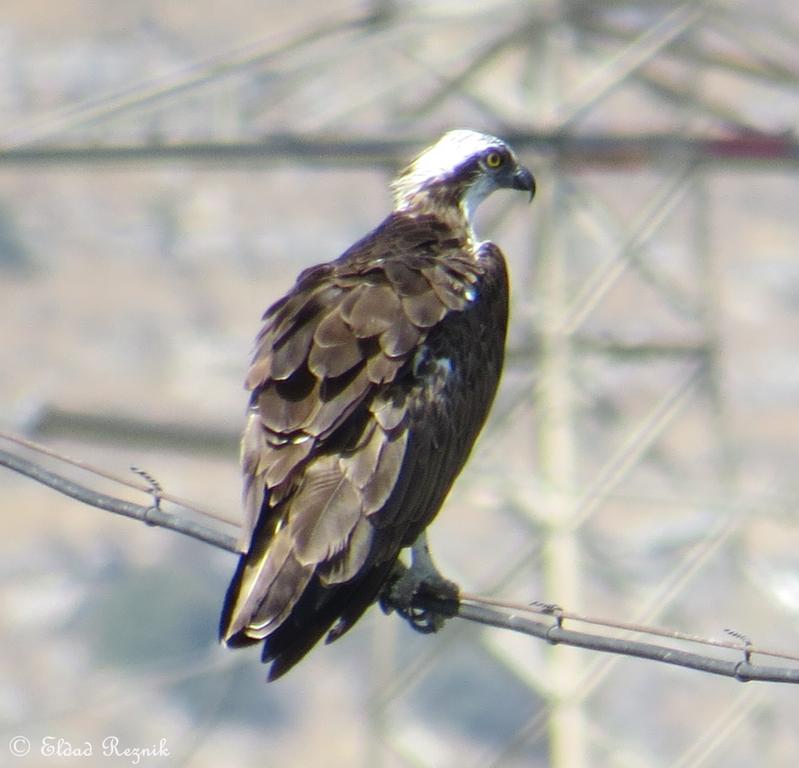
461,169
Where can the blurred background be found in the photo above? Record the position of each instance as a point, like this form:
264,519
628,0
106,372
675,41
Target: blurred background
165,172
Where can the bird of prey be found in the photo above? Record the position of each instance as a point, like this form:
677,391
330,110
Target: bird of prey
370,382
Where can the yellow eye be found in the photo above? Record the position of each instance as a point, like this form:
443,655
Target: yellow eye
493,159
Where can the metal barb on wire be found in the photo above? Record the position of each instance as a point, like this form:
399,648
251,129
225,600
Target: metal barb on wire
550,609
554,610
156,490
747,643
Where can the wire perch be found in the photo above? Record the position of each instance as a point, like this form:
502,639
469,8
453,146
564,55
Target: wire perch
475,608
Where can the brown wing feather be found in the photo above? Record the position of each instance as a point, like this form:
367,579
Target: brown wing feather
351,445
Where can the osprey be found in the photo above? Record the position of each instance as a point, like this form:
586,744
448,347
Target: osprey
370,381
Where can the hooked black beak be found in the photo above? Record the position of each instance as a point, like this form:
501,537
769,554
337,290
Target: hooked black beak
523,179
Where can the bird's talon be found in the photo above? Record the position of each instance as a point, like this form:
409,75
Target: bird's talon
406,586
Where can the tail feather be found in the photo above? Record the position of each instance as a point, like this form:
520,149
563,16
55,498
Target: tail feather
313,615
238,639
318,610
288,606
310,619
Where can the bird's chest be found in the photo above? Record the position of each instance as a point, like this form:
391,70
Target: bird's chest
453,374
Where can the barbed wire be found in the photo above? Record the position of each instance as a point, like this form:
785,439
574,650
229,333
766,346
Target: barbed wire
148,487
549,609
151,515
488,611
